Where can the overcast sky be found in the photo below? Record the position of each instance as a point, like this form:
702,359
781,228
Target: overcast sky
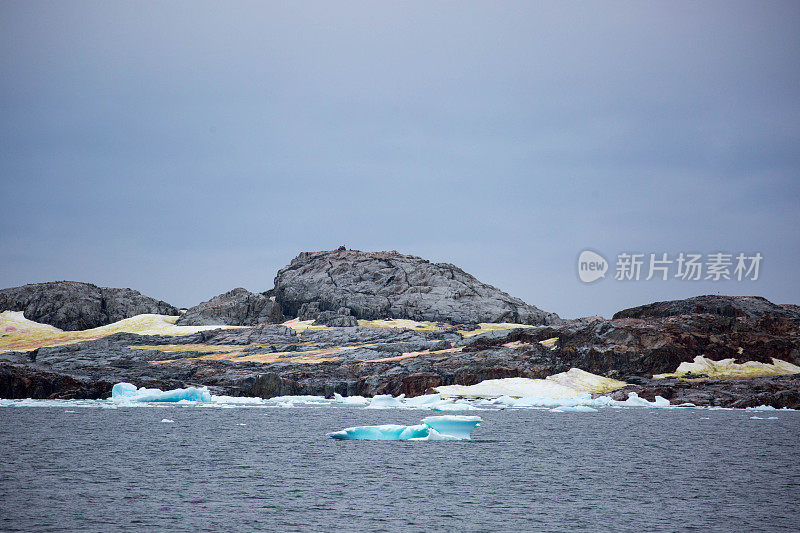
184,149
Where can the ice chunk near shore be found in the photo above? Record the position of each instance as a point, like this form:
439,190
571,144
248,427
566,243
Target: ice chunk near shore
297,401
446,427
574,409
350,400
761,408
385,401
424,401
634,400
445,405
129,392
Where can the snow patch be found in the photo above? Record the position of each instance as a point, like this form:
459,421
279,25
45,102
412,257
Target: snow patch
513,387
730,369
586,381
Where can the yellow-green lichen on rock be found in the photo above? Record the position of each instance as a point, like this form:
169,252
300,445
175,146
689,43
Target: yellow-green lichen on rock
17,333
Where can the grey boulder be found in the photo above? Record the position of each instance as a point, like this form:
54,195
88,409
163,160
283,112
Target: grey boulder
238,307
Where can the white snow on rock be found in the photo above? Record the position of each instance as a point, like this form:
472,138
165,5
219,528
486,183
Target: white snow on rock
586,381
564,385
729,368
513,387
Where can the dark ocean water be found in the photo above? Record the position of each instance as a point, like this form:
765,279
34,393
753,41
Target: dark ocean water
525,470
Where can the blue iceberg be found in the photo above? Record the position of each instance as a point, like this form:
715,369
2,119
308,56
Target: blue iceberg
129,392
432,428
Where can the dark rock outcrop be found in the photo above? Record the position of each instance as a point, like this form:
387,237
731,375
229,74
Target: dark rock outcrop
634,347
238,307
273,359
728,306
375,285
72,305
776,391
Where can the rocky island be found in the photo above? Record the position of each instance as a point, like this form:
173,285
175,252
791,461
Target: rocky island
366,323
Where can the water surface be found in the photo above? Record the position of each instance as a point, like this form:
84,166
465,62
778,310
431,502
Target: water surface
246,469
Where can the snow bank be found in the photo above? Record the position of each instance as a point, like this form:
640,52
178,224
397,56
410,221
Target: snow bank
127,392
729,369
512,387
583,381
564,385
432,428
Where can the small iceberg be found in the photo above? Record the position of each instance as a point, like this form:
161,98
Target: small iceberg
129,392
167,421
448,427
634,400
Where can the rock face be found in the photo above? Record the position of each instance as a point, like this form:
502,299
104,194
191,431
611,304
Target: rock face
728,306
238,307
273,360
375,285
71,305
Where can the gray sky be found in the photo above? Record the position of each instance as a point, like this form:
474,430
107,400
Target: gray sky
184,149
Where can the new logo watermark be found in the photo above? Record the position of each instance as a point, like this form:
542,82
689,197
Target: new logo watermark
591,266
685,266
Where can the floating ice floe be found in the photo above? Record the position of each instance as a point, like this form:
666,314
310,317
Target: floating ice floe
167,421
447,427
122,392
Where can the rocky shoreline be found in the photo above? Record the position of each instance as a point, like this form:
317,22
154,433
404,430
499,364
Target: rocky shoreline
357,323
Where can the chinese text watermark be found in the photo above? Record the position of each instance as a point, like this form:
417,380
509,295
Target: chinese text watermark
684,266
